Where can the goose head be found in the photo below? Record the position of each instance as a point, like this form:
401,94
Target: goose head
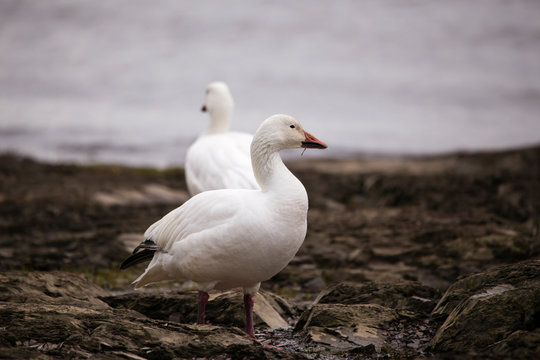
219,104
281,132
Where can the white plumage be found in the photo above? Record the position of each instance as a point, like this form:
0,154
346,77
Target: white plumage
219,158
232,238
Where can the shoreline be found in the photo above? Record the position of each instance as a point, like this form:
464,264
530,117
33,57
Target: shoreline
294,157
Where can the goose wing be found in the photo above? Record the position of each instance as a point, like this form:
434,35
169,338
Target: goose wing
201,213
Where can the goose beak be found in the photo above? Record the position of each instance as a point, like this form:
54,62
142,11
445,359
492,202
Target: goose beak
203,109
312,142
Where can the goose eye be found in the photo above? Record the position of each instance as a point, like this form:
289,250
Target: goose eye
292,126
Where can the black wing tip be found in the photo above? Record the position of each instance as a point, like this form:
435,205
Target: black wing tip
146,244
137,258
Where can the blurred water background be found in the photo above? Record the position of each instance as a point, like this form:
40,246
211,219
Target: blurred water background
123,81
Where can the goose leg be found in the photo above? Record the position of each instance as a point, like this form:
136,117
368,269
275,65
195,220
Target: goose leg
248,304
202,300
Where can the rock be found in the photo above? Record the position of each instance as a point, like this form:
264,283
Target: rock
524,274
488,311
180,307
521,344
70,331
52,288
384,315
392,317
60,315
403,295
346,326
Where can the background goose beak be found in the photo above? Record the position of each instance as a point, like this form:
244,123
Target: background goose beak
312,142
203,109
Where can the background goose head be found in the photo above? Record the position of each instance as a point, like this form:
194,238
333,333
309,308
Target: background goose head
219,104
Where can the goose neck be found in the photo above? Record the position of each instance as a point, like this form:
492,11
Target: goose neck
270,171
219,122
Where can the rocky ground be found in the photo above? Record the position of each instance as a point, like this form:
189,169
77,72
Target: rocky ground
411,258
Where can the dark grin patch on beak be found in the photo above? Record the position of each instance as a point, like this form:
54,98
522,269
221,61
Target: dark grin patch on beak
312,142
313,145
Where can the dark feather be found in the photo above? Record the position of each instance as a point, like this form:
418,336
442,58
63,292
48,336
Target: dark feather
147,244
137,258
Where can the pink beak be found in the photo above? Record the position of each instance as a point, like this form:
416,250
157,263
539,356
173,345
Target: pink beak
312,142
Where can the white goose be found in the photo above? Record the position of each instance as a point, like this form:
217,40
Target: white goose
231,238
219,158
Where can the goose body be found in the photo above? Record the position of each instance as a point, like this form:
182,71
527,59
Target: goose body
233,238
219,158
214,240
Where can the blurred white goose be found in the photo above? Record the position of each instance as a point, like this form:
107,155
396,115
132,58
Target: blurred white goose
231,238
219,158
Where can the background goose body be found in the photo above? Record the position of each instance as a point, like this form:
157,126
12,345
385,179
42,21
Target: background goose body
220,161
219,158
232,238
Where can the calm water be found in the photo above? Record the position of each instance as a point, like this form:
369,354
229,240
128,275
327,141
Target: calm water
123,81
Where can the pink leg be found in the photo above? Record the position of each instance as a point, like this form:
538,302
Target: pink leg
203,299
248,304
